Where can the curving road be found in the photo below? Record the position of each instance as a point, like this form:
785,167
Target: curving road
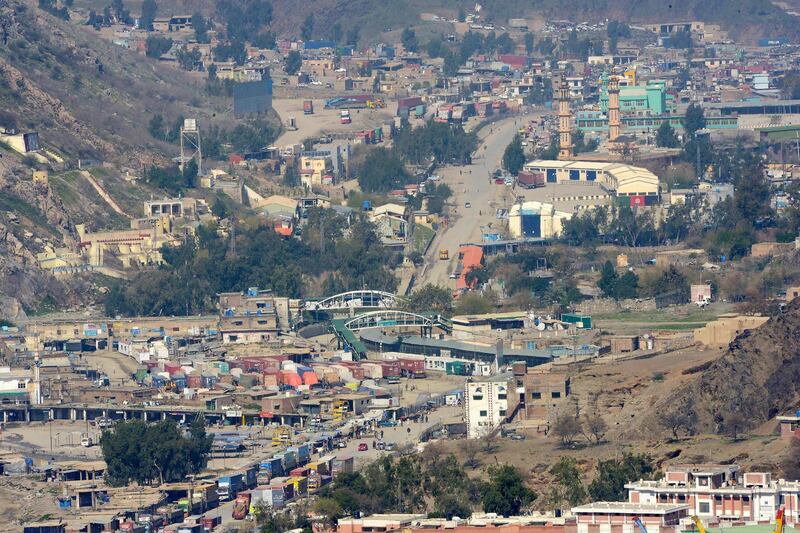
470,184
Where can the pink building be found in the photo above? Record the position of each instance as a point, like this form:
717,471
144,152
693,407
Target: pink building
790,426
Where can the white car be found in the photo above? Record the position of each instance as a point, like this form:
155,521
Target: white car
467,205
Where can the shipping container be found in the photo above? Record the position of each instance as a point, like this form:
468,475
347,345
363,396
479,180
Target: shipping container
412,367
582,321
308,107
342,464
229,486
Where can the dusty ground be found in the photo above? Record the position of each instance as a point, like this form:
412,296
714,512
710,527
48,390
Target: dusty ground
324,120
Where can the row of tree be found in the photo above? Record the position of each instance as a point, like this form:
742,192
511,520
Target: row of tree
429,482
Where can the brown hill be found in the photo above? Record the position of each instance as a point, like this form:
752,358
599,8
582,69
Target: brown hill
757,378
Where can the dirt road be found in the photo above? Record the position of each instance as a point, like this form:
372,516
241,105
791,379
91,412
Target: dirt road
470,184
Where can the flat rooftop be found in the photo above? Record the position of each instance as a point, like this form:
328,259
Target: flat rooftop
629,508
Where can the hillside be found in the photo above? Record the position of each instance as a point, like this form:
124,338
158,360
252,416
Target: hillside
755,380
87,99
747,20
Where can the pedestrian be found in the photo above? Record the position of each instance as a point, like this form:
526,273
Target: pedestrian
409,431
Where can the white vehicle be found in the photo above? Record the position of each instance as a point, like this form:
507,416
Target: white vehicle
86,440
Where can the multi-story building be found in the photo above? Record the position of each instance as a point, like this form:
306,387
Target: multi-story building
544,392
255,316
619,517
488,402
720,493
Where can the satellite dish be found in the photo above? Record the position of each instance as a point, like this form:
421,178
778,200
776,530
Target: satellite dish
540,326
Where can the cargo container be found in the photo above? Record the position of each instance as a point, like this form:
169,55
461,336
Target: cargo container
530,180
251,476
308,107
372,370
300,471
285,485
210,522
229,486
300,485
390,368
183,528
342,464
412,367
582,321
457,368
270,468
304,453
273,498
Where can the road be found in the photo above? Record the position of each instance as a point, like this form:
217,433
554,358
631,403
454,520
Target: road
409,433
470,184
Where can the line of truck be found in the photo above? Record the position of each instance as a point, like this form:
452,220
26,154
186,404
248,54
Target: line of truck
285,476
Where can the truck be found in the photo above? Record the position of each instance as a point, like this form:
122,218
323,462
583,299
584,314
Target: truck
308,107
444,254
229,486
344,117
241,507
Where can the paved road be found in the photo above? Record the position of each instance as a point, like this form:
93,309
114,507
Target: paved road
470,184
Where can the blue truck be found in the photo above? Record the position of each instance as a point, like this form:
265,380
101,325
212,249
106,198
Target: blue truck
229,486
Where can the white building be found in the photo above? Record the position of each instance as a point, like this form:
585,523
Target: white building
488,402
721,493
619,517
18,387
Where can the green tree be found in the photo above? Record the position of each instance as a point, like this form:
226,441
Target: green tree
436,47
188,59
608,279
430,298
190,174
156,46
307,28
149,10
462,16
219,209
473,303
146,453
293,62
566,474
665,136
694,120
505,44
514,156
353,36
382,171
529,43
612,475
156,126
200,26
409,39
505,493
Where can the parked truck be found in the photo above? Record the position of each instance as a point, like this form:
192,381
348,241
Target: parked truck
344,117
444,254
241,507
229,486
308,107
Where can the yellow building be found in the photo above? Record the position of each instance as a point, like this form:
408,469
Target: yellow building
314,169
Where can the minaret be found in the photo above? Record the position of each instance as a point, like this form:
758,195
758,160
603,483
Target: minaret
564,121
613,109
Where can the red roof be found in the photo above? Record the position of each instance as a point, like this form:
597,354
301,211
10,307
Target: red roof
235,159
471,257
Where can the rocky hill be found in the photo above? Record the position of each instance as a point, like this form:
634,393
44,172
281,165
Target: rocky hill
87,99
756,379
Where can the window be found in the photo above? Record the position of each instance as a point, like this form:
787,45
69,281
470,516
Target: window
502,412
477,397
704,507
237,322
176,329
502,396
718,498
482,413
536,395
555,394
574,175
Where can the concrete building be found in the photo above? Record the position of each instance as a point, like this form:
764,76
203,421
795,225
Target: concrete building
172,207
255,316
722,331
544,391
536,220
488,402
720,493
618,517
638,185
316,170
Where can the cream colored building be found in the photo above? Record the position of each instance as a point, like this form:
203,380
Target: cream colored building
623,180
536,220
131,247
722,331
